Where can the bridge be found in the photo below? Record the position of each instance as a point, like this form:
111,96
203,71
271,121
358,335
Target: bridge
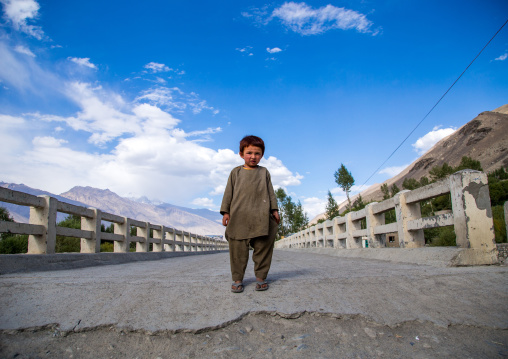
323,301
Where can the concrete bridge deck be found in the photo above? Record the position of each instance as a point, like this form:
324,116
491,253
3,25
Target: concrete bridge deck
192,294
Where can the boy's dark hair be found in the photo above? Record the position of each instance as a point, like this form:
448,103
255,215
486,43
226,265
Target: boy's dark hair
252,141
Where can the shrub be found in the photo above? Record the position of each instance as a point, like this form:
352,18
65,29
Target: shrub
107,247
499,224
440,237
14,244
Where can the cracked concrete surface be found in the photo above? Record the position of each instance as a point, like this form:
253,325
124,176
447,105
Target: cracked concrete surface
192,293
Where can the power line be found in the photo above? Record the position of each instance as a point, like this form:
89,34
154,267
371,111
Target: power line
433,107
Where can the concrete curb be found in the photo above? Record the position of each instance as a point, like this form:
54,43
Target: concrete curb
22,263
434,256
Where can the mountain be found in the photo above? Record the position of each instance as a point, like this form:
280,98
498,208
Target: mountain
214,216
485,139
21,214
167,214
171,216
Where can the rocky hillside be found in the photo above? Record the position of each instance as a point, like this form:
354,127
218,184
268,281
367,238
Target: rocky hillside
485,138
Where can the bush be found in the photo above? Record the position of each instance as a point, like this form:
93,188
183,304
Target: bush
14,244
107,247
499,224
67,244
440,237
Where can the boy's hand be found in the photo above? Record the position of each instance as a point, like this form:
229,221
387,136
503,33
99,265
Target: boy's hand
275,215
225,219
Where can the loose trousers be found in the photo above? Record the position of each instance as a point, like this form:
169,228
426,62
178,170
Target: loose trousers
262,253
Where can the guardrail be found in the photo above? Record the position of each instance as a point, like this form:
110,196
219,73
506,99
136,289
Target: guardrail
42,229
471,218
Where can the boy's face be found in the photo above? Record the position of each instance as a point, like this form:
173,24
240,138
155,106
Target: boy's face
251,155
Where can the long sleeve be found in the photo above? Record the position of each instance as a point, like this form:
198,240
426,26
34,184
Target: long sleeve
228,196
271,193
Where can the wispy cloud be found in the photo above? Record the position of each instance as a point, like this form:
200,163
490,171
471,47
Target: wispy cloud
19,13
203,202
314,206
424,143
306,20
174,99
85,61
24,50
502,57
245,50
394,170
273,50
155,67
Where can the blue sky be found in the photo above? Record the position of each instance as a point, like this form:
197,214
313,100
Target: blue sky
151,98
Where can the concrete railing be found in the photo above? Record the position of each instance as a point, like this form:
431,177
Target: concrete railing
471,218
42,229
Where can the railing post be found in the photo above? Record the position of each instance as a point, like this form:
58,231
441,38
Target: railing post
46,217
160,235
170,236
92,245
352,226
472,214
145,233
404,213
374,220
123,229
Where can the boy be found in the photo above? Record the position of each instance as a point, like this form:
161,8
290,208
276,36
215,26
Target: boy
250,214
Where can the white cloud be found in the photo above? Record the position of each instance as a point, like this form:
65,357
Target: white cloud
394,170
274,50
12,140
314,206
423,144
48,141
502,57
85,61
174,99
204,202
245,50
100,114
281,175
162,96
147,154
24,50
305,20
24,74
134,146
19,12
340,193
155,67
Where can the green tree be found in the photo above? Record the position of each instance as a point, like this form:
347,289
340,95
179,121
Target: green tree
332,207
410,184
11,243
68,244
293,218
468,163
300,218
441,172
6,217
386,191
344,180
394,189
358,203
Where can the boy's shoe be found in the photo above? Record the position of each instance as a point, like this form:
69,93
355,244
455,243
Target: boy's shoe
237,287
261,286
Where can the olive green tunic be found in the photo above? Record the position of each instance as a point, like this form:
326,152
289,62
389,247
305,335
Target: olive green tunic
249,199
